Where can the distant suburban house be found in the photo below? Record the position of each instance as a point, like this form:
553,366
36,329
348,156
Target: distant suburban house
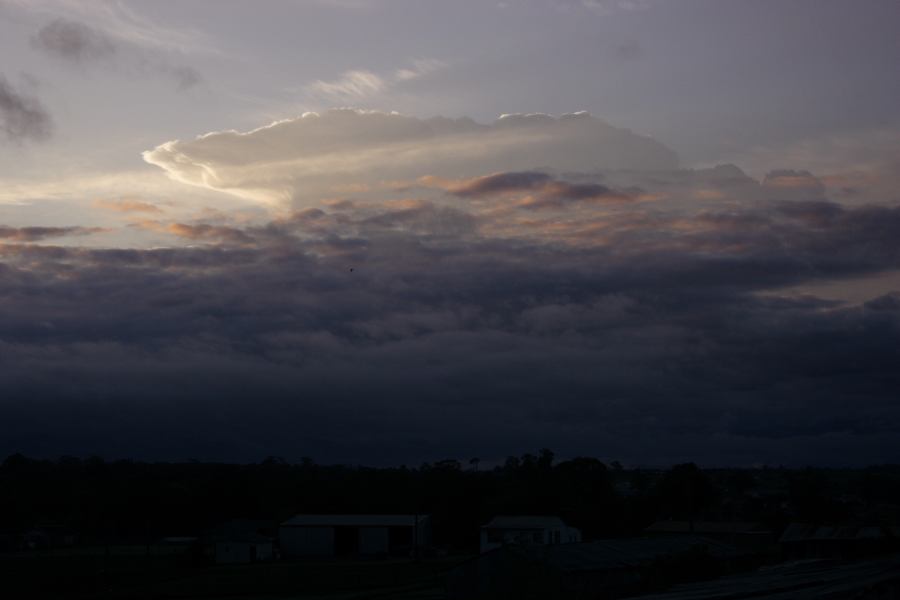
590,570
526,530
241,541
743,534
47,537
354,535
805,541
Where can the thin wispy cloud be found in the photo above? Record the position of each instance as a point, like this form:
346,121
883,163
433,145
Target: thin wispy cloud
419,68
360,84
352,85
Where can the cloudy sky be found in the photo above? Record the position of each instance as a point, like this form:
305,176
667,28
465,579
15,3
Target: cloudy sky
392,231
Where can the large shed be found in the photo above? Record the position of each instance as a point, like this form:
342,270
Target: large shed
353,535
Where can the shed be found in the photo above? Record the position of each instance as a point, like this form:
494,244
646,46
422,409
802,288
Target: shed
352,535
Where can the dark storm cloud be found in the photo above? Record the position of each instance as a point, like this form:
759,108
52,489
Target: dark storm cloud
540,190
33,234
76,42
22,117
502,182
376,334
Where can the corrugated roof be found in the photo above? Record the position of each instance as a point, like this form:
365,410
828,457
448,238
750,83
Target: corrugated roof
524,522
353,521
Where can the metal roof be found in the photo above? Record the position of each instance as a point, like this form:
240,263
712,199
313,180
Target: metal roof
353,521
524,522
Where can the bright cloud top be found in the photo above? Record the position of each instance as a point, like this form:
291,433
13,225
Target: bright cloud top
299,160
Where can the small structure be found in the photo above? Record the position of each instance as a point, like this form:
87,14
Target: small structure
525,531
354,535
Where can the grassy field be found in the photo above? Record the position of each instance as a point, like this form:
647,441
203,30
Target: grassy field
132,574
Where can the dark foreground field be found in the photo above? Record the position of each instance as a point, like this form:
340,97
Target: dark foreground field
127,572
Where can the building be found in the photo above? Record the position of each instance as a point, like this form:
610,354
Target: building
354,535
526,530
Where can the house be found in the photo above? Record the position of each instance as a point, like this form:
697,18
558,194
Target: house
354,535
587,571
241,541
743,534
248,548
526,530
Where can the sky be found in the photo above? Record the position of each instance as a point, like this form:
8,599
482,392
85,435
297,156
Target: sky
394,231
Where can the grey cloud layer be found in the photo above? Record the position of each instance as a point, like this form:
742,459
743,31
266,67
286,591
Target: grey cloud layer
629,330
435,287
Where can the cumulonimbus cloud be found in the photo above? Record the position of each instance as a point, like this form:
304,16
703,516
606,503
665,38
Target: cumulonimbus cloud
530,267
